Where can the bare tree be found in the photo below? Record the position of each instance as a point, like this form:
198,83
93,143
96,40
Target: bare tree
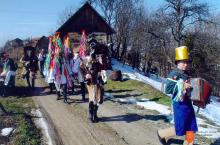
108,9
124,20
183,14
118,14
65,15
158,36
138,39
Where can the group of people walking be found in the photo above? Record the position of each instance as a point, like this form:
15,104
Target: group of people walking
30,66
87,70
63,67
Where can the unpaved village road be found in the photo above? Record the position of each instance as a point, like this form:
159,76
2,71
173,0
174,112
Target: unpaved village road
119,125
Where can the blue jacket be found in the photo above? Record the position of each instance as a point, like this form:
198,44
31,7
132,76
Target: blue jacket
184,115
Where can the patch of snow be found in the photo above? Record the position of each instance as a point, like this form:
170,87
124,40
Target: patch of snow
170,118
142,100
150,105
155,106
131,76
108,96
6,131
128,100
212,111
208,132
154,81
42,123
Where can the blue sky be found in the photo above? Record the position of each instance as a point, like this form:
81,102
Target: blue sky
34,18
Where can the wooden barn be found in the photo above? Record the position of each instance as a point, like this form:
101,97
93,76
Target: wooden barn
89,20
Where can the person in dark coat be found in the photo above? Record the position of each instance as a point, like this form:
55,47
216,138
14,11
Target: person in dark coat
30,66
95,87
184,116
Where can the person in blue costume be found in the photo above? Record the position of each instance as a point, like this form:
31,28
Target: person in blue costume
178,85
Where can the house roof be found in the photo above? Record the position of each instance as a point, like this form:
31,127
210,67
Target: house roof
88,19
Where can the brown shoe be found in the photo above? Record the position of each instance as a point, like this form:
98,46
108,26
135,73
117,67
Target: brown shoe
162,140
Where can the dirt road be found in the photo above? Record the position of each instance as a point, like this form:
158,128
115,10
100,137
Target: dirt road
120,124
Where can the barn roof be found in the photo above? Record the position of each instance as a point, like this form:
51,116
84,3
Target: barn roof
88,19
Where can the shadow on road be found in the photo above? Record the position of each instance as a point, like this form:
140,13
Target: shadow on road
133,117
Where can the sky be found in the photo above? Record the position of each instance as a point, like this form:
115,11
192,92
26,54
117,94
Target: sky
35,18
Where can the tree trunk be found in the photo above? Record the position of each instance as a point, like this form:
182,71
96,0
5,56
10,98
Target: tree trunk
124,49
112,47
117,50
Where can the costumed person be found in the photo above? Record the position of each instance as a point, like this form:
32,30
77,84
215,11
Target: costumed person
49,65
78,69
62,70
42,58
77,66
30,66
9,72
60,78
184,116
68,55
95,87
74,65
71,64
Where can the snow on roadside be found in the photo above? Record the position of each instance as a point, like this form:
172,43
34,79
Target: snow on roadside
151,105
136,75
211,112
6,131
142,102
42,123
206,129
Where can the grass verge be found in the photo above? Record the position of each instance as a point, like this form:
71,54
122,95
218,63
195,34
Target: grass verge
132,86
18,115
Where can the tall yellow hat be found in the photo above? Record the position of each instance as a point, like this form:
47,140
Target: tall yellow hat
181,53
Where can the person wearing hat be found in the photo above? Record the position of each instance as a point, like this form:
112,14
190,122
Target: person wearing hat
9,72
95,87
30,66
178,85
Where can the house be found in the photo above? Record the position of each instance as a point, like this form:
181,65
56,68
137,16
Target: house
14,43
89,20
42,43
